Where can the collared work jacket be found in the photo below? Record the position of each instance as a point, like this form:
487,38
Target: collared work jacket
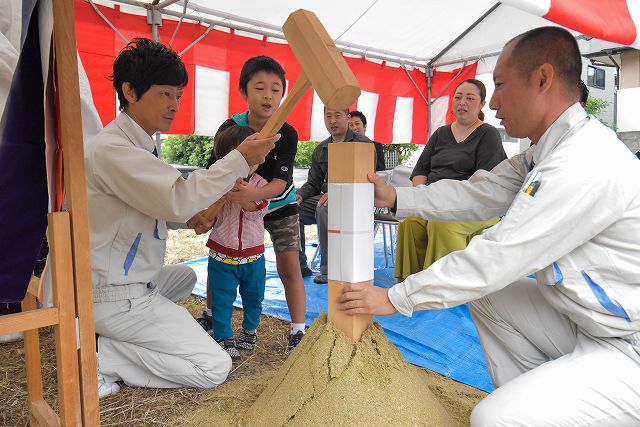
131,195
571,207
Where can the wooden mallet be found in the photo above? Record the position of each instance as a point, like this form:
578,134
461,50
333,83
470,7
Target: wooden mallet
323,67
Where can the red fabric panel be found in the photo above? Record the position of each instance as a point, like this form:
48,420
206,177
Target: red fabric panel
390,83
98,46
608,20
95,42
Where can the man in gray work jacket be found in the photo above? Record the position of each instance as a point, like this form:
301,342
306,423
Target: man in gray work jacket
563,349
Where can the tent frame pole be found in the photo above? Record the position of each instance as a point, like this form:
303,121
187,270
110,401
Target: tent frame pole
431,64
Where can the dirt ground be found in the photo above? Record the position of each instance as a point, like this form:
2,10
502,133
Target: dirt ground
177,407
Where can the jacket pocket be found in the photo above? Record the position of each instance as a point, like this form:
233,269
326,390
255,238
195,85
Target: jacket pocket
515,217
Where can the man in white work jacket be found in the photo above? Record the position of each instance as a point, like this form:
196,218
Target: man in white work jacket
564,351
145,339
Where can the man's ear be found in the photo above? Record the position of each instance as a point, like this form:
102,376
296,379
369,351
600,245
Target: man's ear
129,92
545,75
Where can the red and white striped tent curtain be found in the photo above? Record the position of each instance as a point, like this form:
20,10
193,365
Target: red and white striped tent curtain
393,102
394,105
613,20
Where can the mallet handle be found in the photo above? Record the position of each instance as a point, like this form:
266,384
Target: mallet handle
278,118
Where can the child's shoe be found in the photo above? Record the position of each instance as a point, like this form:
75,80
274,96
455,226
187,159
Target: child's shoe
205,321
230,347
294,340
246,340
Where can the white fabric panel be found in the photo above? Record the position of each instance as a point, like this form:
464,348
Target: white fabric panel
634,11
117,103
493,32
486,65
368,105
8,61
11,22
417,30
318,129
403,120
211,100
45,28
629,109
91,123
536,7
439,111
489,114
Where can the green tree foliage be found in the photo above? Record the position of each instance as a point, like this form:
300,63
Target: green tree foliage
303,156
193,150
305,150
595,106
403,150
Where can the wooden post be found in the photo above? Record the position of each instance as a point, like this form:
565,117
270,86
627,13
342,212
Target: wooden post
32,355
65,331
76,194
350,228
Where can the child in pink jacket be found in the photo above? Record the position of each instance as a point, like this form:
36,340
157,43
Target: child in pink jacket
236,258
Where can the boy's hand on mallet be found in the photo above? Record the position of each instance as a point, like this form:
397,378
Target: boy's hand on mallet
255,150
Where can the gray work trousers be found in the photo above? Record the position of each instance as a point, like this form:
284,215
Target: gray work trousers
152,342
310,214
547,370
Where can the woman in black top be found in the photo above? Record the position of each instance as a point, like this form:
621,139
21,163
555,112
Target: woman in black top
454,151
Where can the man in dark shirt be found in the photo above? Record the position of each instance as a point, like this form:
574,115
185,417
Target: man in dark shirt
312,197
358,124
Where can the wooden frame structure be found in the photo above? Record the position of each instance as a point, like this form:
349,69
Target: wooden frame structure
70,265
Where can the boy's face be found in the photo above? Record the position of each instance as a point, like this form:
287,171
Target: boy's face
156,109
263,95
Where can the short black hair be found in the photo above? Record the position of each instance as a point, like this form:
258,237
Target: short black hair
584,93
552,45
260,63
143,63
356,113
225,141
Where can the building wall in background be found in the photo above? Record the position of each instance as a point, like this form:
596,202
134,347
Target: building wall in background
604,91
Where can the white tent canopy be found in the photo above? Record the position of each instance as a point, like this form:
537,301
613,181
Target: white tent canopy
440,34
413,32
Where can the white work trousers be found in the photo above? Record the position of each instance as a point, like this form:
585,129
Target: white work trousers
548,372
153,342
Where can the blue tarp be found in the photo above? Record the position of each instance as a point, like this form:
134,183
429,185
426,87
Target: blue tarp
444,341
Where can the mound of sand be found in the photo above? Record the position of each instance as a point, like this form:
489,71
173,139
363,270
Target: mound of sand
329,380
